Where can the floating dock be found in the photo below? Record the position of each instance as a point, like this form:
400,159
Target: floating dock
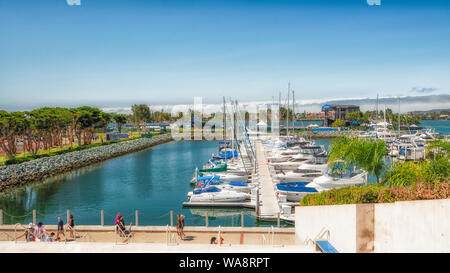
268,207
250,205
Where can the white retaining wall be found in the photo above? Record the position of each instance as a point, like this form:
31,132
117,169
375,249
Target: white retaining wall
340,220
413,226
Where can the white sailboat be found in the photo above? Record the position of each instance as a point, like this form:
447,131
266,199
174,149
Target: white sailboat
326,182
214,194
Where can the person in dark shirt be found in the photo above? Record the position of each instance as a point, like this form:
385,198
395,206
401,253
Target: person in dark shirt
60,229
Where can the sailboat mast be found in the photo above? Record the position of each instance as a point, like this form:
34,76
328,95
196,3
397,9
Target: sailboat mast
287,109
377,108
398,116
293,112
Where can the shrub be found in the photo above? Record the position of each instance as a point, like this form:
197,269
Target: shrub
402,174
17,160
377,194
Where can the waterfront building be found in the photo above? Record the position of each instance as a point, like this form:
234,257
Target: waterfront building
340,111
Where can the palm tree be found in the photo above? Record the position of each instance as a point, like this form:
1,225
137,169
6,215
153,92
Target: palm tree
362,153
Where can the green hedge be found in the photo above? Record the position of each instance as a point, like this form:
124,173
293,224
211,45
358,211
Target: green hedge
378,194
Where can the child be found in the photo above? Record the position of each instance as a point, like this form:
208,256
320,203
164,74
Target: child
50,238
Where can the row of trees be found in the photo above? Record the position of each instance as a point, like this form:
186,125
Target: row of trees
48,127
405,119
143,114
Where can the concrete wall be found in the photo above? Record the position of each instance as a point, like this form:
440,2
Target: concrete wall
414,226
340,220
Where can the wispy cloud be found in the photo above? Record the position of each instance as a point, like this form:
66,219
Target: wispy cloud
423,89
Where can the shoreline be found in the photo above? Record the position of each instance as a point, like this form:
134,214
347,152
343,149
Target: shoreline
31,171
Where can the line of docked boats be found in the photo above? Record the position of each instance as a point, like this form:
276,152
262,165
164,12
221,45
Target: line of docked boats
225,178
408,145
298,167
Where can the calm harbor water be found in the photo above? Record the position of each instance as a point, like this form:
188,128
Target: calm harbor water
153,181
440,126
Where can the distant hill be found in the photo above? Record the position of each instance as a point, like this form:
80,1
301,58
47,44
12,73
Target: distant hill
437,111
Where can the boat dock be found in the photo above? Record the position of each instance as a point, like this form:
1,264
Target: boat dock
264,200
250,205
268,207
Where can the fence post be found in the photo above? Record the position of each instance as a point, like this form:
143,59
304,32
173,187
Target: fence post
137,218
242,219
34,217
102,218
206,219
278,219
171,218
1,217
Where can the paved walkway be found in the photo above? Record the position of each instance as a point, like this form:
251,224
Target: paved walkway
160,237
269,207
85,247
104,240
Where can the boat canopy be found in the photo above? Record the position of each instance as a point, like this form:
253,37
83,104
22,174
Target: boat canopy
295,187
208,189
208,177
238,184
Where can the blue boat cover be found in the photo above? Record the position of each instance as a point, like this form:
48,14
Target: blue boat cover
208,177
226,155
208,189
295,186
238,184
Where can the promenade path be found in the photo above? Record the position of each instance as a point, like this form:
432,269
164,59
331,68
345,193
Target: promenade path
105,240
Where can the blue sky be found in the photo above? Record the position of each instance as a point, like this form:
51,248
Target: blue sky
117,52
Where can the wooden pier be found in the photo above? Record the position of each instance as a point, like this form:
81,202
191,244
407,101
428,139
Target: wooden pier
268,209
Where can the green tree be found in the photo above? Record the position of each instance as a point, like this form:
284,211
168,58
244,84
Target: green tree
366,154
353,116
120,120
141,113
338,123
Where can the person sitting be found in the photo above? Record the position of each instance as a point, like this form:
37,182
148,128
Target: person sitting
117,221
50,237
124,232
28,233
122,224
213,241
